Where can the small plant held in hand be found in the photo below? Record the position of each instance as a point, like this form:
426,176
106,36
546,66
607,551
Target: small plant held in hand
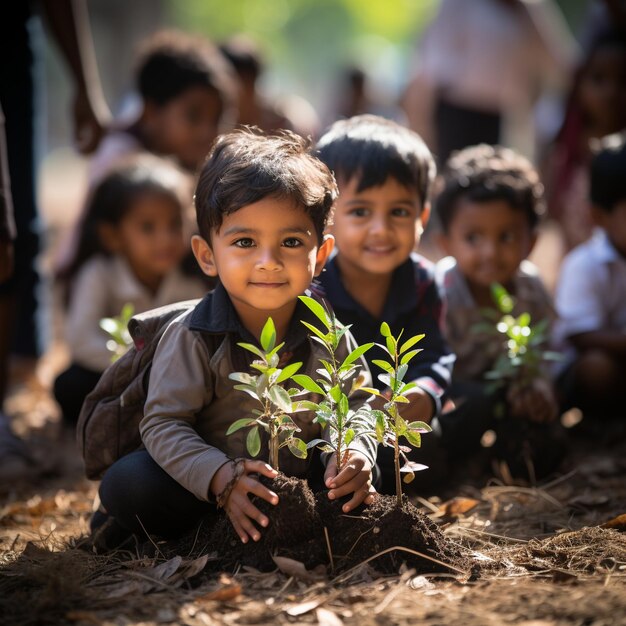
274,400
522,355
333,410
117,328
390,425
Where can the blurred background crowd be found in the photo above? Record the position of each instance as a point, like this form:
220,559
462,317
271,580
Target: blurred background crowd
541,76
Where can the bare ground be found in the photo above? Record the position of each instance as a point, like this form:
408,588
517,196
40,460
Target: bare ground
541,555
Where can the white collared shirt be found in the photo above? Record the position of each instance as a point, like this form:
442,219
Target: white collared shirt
101,289
591,290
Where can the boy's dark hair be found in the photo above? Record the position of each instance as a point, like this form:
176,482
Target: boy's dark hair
372,149
170,62
484,173
244,55
608,172
247,165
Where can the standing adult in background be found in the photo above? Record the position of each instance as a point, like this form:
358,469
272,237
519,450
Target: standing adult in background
482,64
67,22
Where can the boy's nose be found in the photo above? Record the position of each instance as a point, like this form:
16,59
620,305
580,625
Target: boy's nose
268,259
378,224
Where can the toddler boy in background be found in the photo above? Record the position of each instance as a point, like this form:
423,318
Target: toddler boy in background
384,172
591,298
262,206
489,205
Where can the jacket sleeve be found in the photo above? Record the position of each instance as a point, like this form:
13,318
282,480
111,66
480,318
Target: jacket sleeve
431,369
180,386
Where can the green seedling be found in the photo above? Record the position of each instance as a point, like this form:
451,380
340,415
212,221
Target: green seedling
333,410
390,425
523,355
275,401
117,328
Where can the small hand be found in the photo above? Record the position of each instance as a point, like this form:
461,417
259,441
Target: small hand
355,477
238,507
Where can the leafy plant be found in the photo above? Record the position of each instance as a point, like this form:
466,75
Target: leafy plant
390,425
523,354
117,328
275,401
333,410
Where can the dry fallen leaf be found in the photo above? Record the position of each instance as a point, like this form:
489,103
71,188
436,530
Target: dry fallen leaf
295,568
617,523
228,590
327,618
458,506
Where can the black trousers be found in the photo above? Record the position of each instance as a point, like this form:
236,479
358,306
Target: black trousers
71,387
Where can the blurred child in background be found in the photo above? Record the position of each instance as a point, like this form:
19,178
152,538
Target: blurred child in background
591,297
489,207
187,93
596,107
130,247
384,172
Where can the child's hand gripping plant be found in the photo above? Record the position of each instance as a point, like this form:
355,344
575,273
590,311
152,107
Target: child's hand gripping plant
390,425
117,328
523,356
276,402
333,410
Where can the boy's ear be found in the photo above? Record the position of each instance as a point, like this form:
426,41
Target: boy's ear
204,255
323,252
425,216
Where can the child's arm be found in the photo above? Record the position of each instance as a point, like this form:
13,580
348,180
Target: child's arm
355,477
231,485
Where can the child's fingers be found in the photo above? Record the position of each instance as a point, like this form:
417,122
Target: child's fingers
254,486
365,495
259,467
331,471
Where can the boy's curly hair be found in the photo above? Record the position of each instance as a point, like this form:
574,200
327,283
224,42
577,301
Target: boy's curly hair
372,148
170,62
607,175
247,165
483,173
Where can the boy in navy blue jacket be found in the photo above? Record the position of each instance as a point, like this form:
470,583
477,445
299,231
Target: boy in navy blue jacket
385,172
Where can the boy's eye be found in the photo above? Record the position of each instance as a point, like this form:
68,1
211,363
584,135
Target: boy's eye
244,242
147,228
292,242
472,238
507,237
359,212
400,212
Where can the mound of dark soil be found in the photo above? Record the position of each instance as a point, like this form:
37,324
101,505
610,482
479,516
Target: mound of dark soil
296,531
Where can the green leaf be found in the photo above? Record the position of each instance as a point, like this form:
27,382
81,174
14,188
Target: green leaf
242,377
409,355
387,367
253,441
252,348
413,437
316,331
390,342
372,391
317,309
421,427
344,406
411,341
307,383
385,331
268,335
336,393
349,436
298,448
501,296
251,391
240,423
280,398
288,371
305,405
356,353
381,424
402,372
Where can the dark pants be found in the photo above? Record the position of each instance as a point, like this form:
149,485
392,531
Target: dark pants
71,387
140,495
459,127
520,443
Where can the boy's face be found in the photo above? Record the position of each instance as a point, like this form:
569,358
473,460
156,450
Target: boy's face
266,255
489,240
614,223
186,126
377,229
